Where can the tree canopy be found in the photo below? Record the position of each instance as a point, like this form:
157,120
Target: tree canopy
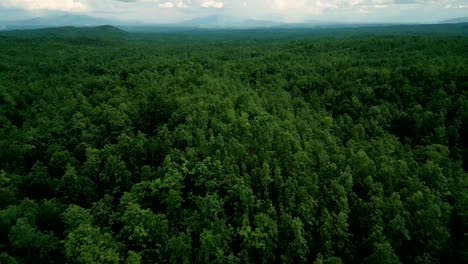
234,147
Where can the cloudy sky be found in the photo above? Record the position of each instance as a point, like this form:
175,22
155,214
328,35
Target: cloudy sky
162,11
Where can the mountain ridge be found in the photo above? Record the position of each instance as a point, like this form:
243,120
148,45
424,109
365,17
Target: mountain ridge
220,21
214,22
455,20
60,20
104,31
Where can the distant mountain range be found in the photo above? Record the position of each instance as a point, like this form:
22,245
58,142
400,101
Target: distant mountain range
228,22
61,20
67,19
455,20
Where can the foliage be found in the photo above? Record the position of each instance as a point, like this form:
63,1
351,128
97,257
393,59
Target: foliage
233,147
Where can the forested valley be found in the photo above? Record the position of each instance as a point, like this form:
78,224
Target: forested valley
247,146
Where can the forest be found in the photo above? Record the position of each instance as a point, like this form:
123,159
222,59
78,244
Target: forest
243,146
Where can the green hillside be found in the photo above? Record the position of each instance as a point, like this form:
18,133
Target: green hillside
103,32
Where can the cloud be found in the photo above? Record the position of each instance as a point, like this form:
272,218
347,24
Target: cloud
178,4
212,4
425,2
58,5
166,5
451,6
181,4
283,10
406,1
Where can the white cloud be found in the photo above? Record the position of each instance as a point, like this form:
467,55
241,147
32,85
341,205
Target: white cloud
356,2
283,10
181,4
296,11
212,4
58,5
166,5
326,4
452,6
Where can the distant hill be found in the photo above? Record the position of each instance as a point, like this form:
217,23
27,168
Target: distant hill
71,32
459,29
329,30
227,22
89,30
205,21
455,20
60,20
68,19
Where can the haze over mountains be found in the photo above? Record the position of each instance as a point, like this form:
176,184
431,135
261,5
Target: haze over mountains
70,19
58,20
456,20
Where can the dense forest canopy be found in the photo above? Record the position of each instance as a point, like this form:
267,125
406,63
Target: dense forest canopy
286,146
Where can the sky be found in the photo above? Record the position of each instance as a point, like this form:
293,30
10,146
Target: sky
168,11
